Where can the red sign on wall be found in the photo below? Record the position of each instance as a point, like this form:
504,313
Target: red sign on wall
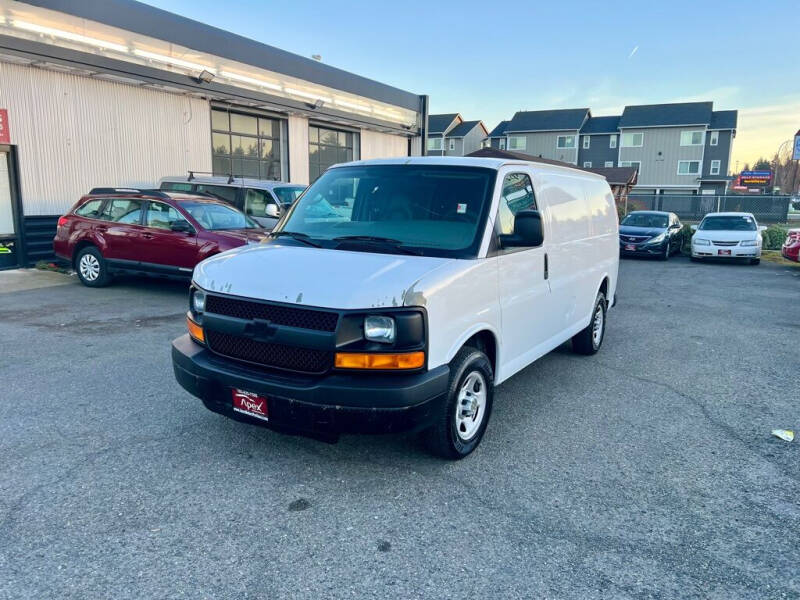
5,134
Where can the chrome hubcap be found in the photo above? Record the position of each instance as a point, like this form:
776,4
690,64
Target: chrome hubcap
89,267
597,326
471,405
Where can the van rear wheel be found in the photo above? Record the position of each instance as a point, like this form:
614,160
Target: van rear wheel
460,426
589,340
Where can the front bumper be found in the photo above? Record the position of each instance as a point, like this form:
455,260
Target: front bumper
735,251
332,404
642,249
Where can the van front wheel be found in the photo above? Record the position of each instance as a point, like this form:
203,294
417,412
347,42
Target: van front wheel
589,340
460,426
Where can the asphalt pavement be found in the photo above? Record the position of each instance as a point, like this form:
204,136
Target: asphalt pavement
646,471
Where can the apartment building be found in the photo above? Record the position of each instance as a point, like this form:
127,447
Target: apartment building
681,148
450,135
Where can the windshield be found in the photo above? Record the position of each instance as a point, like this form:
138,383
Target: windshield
732,223
646,220
287,195
432,210
218,216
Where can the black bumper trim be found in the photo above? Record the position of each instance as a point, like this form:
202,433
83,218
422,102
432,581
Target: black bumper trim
336,403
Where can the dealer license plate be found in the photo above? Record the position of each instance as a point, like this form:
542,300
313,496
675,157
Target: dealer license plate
630,247
724,252
250,404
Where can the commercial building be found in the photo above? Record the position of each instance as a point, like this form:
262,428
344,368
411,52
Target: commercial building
681,149
118,93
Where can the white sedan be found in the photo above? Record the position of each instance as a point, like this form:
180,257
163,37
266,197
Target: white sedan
727,235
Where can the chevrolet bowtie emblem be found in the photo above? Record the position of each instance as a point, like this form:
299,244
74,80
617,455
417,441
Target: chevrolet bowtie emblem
260,330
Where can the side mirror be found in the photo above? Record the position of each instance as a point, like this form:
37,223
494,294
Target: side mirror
272,211
181,226
527,230
694,227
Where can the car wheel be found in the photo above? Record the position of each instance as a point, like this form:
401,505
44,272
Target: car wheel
755,261
460,426
589,340
665,256
695,259
91,267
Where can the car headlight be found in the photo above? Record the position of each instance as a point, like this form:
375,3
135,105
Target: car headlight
380,329
198,302
658,239
701,242
748,243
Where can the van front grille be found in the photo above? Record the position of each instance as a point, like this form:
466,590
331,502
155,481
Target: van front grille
290,316
278,356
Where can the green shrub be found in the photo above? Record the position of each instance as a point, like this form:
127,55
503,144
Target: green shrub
686,239
773,237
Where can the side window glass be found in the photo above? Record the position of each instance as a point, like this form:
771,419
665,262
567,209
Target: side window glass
90,210
227,194
161,216
255,202
128,212
516,195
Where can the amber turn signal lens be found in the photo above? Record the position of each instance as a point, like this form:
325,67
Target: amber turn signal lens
195,331
356,360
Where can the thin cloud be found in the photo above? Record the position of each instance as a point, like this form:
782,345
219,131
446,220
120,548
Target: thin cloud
634,51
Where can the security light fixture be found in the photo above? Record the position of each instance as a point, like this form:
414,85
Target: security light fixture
205,76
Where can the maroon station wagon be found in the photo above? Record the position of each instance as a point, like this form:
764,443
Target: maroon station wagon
148,232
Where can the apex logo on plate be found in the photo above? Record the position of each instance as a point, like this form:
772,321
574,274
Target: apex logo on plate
250,404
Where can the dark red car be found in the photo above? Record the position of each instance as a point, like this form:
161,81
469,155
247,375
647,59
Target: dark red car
148,232
791,247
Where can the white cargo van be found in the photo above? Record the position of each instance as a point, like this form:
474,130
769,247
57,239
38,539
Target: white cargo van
395,294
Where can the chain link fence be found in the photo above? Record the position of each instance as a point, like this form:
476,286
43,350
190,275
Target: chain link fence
766,209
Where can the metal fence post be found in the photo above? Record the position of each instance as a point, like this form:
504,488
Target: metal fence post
719,201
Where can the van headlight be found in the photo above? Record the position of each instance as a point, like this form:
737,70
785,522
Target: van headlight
380,329
198,302
701,242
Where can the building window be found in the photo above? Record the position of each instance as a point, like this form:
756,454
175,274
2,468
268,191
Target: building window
247,145
565,141
502,143
517,142
691,138
586,142
688,167
587,164
609,164
636,164
714,138
327,147
452,145
632,140
715,165
612,141
435,143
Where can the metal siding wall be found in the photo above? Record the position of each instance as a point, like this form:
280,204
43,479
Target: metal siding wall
472,141
662,170
382,145
598,152
416,146
75,132
544,145
298,150
719,152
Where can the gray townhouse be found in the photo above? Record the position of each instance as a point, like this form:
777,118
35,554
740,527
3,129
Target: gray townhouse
598,143
497,137
551,134
450,135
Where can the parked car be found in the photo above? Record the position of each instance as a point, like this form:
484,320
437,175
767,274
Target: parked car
402,309
262,201
791,247
727,235
650,233
151,232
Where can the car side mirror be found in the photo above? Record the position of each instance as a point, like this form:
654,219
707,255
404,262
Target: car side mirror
762,227
181,227
272,211
527,231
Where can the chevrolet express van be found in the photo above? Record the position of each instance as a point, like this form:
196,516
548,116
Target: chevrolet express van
396,294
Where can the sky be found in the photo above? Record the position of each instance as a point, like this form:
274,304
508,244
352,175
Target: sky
487,60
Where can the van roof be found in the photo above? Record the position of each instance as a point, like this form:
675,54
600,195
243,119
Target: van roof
224,180
471,161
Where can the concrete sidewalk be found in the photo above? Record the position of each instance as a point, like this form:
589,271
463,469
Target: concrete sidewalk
18,280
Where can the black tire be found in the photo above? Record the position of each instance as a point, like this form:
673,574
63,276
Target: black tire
665,256
442,438
95,263
585,341
755,261
694,259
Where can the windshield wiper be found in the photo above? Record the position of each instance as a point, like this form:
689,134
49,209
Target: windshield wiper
391,242
296,235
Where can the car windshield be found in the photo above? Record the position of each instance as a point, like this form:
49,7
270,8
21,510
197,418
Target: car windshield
213,216
728,223
420,209
288,194
646,220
